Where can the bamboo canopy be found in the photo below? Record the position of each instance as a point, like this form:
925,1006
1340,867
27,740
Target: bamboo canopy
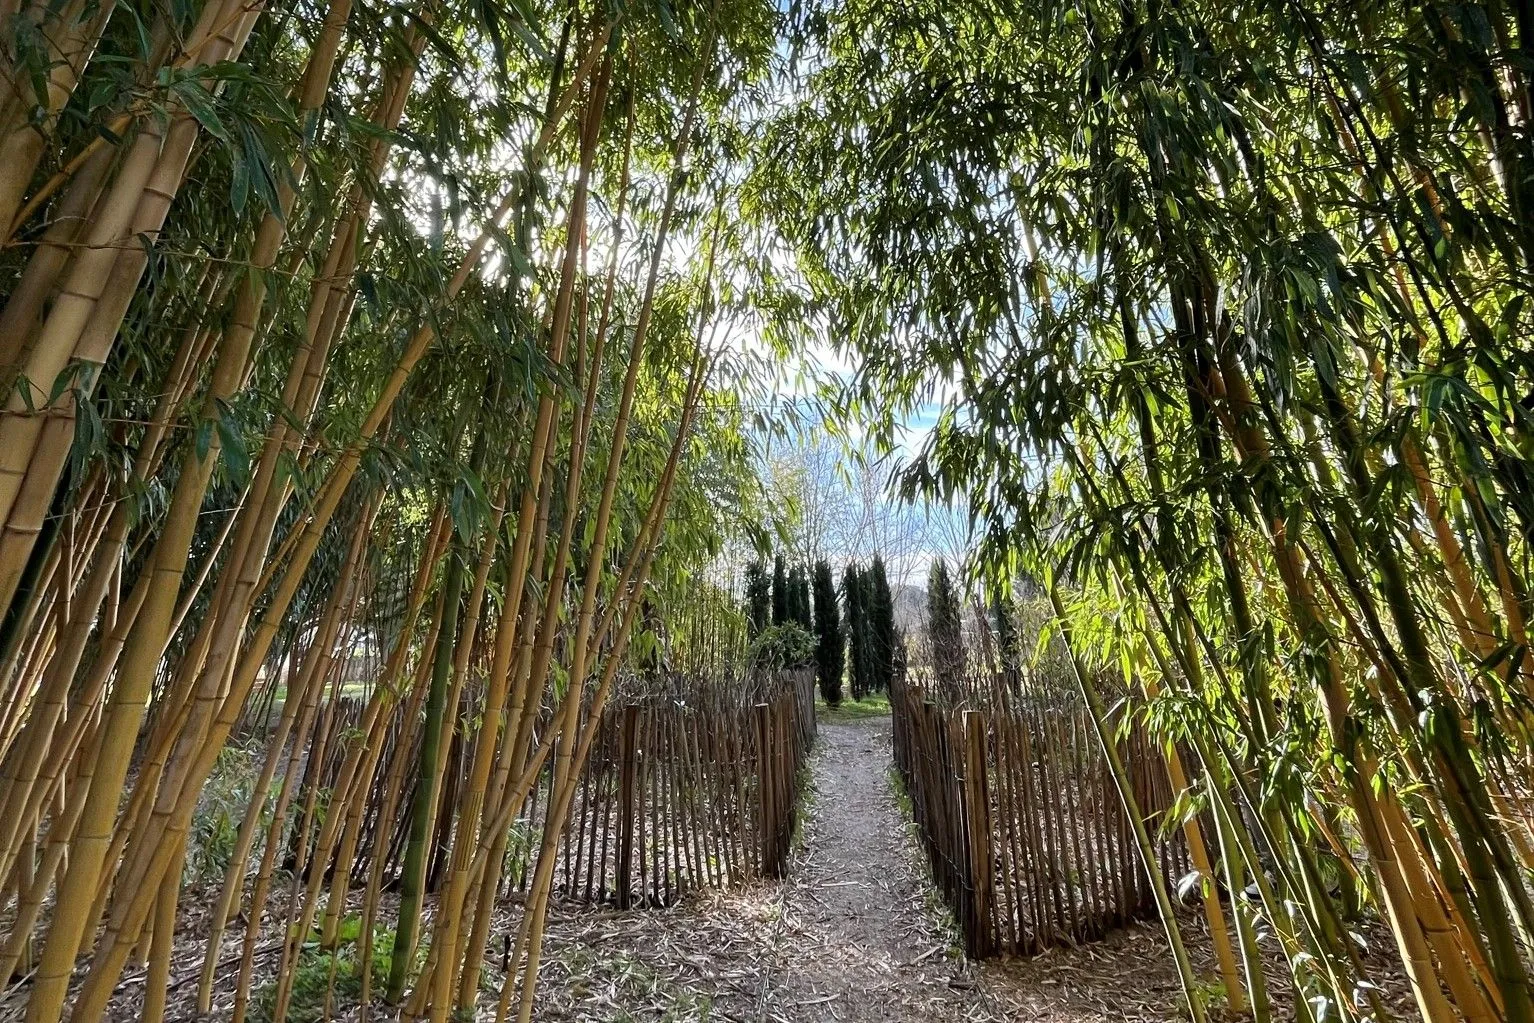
1221,315
354,388
385,384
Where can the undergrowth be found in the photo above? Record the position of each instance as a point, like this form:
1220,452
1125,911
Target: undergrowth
312,976
220,808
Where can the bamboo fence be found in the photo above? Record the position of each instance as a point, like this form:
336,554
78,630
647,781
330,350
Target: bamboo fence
1022,823
691,784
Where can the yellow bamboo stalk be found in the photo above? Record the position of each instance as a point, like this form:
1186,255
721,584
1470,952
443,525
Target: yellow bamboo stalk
1362,768
162,944
123,708
31,898
384,697
513,639
71,218
130,694
148,855
1209,895
577,746
234,877
71,37
438,981
228,614
530,932
1477,998
393,789
302,389
85,318
86,705
272,843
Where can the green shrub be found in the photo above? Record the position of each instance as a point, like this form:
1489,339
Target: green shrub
789,645
312,975
220,808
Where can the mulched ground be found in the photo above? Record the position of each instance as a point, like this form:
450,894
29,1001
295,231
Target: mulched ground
856,933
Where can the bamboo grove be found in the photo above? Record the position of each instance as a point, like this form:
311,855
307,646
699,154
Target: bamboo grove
1230,302
340,327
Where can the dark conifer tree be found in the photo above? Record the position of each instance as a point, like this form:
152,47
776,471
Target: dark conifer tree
830,655
790,611
758,598
795,613
857,630
945,631
779,591
801,608
870,651
881,622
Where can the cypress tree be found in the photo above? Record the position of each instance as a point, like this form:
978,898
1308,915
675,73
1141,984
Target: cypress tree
829,653
868,647
758,598
881,617
779,591
857,644
1009,645
801,606
945,630
794,612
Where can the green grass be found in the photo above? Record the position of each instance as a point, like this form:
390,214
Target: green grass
876,705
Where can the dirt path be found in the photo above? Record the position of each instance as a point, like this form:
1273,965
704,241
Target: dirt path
859,941
854,934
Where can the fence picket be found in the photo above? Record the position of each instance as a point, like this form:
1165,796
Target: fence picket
1020,821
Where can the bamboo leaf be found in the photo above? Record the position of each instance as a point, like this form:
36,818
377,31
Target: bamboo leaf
231,437
199,102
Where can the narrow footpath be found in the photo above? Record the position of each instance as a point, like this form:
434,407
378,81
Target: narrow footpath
860,939
854,934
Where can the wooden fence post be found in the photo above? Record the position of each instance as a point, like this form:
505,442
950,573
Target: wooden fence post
783,775
977,818
766,784
788,774
626,805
